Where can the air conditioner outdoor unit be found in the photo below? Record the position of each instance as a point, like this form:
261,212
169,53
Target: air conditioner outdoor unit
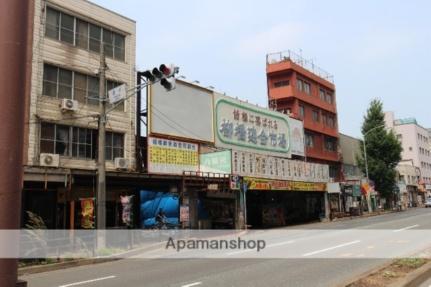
49,159
69,105
121,163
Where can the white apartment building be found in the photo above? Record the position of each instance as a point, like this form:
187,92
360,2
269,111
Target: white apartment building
61,139
415,141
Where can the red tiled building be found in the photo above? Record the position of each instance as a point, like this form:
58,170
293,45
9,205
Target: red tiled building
299,88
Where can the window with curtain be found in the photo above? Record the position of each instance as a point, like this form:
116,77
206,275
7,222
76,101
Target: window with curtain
67,28
119,47
93,90
95,37
65,84
81,34
114,145
108,41
80,87
52,26
50,80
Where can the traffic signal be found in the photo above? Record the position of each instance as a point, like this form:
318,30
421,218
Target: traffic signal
168,83
165,73
147,74
157,73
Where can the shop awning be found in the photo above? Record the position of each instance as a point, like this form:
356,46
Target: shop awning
333,187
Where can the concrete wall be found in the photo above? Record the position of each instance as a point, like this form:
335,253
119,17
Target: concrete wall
412,143
350,148
47,50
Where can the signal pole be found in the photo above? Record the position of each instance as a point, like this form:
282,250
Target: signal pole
101,161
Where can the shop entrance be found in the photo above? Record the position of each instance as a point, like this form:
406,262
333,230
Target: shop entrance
41,203
216,210
280,208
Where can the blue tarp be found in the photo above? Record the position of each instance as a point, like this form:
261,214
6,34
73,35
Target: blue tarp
152,201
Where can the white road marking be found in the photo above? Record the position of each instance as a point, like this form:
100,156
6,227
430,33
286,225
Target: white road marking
405,228
192,284
331,248
88,281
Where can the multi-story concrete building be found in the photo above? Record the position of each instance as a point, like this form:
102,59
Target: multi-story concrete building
350,150
415,142
298,87
408,181
63,104
352,175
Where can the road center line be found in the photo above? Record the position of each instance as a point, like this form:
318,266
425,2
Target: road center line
192,284
331,248
405,228
88,281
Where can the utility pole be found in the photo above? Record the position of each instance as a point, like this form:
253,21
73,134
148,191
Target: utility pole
16,22
101,161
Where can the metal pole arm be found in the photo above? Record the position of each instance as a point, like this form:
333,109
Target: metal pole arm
134,89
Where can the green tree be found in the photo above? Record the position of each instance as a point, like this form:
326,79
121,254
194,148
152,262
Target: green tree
383,150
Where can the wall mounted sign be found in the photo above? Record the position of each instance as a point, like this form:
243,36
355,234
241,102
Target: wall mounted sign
266,166
216,162
247,127
267,184
172,156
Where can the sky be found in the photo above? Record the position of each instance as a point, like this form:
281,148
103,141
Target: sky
374,49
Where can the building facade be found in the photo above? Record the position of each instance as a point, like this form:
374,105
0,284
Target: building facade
350,150
252,147
299,88
408,182
63,105
415,142
352,175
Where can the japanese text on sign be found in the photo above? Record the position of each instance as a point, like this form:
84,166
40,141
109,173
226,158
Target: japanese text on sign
264,166
170,156
255,128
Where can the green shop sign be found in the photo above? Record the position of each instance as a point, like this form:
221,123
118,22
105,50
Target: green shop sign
250,128
217,162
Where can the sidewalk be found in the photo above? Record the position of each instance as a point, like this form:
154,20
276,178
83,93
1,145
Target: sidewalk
364,215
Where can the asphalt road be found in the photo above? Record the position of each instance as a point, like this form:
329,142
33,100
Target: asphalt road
240,272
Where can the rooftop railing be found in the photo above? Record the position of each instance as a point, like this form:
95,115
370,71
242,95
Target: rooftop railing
309,65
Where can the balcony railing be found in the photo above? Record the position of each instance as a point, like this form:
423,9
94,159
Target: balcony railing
299,60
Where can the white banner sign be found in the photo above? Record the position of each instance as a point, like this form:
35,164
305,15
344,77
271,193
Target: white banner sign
185,112
117,94
264,166
296,137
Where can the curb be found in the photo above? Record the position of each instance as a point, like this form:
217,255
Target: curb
89,261
81,262
364,274
415,278
62,265
363,216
